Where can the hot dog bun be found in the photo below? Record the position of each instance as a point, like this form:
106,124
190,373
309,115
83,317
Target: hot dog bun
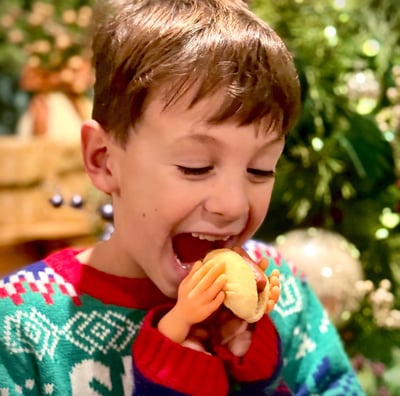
242,297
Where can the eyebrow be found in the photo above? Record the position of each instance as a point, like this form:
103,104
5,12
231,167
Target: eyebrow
200,137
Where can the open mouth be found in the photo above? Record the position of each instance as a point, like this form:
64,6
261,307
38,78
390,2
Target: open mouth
189,248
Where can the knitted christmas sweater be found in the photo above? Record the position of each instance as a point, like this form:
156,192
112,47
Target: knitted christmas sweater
69,329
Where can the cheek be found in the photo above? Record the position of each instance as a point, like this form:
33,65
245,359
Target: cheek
260,204
186,193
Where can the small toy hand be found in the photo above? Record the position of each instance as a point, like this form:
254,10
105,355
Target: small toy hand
201,292
199,295
274,285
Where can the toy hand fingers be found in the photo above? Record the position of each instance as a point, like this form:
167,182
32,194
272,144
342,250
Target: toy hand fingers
275,290
274,278
263,263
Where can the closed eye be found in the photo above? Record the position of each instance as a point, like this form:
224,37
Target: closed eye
261,173
194,171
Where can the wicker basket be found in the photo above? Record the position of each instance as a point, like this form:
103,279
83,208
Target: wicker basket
21,162
31,171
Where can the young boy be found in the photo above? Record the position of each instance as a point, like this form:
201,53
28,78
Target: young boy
193,99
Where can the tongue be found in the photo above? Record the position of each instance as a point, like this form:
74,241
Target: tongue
190,249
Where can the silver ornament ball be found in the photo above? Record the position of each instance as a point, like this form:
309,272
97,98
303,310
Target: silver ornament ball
331,265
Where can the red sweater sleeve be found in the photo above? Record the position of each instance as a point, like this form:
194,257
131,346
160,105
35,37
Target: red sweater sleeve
262,361
174,366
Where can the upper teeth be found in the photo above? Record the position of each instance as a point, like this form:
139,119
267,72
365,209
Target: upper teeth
209,237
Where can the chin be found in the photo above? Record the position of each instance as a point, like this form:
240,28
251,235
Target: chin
170,291
169,286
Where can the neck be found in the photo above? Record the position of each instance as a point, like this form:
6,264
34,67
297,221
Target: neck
104,256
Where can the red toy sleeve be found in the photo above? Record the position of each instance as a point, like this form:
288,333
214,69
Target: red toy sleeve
263,359
174,366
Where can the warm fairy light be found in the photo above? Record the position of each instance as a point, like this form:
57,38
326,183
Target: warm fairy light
339,4
389,219
317,143
371,47
331,35
382,233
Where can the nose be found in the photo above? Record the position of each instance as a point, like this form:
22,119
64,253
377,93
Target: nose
228,200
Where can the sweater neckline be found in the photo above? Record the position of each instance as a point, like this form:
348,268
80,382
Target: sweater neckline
139,293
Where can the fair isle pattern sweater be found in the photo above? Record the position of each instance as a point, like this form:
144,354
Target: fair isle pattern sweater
69,329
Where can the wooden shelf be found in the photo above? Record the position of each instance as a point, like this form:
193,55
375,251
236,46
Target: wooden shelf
51,230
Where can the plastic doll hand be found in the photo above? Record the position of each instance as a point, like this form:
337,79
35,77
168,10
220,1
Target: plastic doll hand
274,290
199,295
274,285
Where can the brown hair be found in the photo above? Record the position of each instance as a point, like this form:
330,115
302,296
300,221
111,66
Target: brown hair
218,45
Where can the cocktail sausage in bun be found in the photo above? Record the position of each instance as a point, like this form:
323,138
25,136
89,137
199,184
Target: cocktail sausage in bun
247,287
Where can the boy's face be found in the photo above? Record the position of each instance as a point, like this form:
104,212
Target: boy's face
182,187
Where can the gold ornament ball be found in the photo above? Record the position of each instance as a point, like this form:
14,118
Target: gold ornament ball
331,266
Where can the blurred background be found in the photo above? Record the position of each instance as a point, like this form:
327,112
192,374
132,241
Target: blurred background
335,212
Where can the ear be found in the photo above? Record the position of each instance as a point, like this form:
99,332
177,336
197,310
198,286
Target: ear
96,151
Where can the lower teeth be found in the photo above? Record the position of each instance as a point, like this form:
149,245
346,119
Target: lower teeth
183,265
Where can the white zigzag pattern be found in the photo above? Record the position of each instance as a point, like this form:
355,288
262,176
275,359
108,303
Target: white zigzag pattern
290,300
100,331
32,332
36,335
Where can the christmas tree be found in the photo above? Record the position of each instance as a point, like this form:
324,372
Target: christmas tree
340,168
